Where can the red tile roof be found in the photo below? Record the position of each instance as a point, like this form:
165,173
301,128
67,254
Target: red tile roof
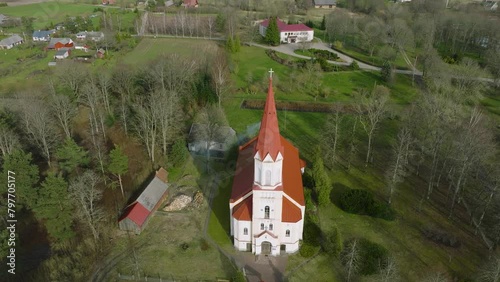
243,210
243,175
283,27
269,141
137,213
290,212
292,175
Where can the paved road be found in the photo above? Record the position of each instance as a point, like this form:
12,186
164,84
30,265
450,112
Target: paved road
346,60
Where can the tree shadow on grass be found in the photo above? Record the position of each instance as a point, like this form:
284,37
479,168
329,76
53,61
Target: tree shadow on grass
337,190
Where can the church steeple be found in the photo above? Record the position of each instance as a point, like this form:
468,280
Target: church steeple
269,139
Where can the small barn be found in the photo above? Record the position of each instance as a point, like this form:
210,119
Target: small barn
325,4
190,4
136,215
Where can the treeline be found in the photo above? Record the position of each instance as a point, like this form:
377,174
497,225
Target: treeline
61,140
423,27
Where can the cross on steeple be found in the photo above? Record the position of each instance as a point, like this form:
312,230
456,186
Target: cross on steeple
271,73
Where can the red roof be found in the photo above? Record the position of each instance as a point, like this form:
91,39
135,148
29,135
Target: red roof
283,27
290,212
269,141
137,213
243,210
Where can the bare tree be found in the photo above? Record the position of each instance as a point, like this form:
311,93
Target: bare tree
492,187
103,80
173,73
436,277
39,126
220,75
91,97
168,116
85,192
491,272
63,109
474,145
332,135
350,259
371,109
72,75
9,140
124,84
146,125
389,271
397,170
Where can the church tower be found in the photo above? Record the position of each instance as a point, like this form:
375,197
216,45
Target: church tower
267,199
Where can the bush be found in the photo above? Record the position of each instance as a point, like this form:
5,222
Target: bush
178,152
312,233
361,202
307,250
184,246
325,54
442,238
332,242
372,257
238,277
290,106
354,65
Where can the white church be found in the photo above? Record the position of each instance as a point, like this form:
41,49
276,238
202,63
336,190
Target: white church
267,200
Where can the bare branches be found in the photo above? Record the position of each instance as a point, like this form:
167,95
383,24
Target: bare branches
397,171
220,75
85,192
350,259
371,109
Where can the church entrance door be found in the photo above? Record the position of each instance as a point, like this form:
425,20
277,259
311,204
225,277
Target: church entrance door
266,248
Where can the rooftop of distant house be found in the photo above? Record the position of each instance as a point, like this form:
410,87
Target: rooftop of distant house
284,27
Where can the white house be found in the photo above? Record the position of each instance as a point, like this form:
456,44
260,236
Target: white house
62,53
267,199
11,41
290,33
42,35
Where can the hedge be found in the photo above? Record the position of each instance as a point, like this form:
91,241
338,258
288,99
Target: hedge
295,106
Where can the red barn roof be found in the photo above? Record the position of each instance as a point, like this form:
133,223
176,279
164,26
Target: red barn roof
283,27
137,213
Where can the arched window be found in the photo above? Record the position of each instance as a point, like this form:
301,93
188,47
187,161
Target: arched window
245,231
271,226
262,226
268,177
266,212
287,233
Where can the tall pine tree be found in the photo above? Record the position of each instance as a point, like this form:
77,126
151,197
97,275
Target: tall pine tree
272,33
322,183
54,208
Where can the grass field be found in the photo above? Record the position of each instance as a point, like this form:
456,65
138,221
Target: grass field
48,12
151,48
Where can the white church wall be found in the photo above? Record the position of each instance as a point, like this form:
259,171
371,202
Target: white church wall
240,238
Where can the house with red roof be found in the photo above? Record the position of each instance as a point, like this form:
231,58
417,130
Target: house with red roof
136,215
267,199
289,33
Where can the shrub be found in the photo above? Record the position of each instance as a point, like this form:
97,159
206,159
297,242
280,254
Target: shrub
184,246
387,72
307,250
442,238
238,277
332,242
361,202
354,65
372,257
312,233
204,244
290,106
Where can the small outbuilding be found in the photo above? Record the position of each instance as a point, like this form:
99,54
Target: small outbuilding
190,4
42,35
62,53
136,215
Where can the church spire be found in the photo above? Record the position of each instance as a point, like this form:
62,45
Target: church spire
269,139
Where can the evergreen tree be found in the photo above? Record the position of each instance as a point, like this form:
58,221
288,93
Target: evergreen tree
322,183
237,44
272,33
19,165
230,44
70,156
323,23
54,208
118,164
387,72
